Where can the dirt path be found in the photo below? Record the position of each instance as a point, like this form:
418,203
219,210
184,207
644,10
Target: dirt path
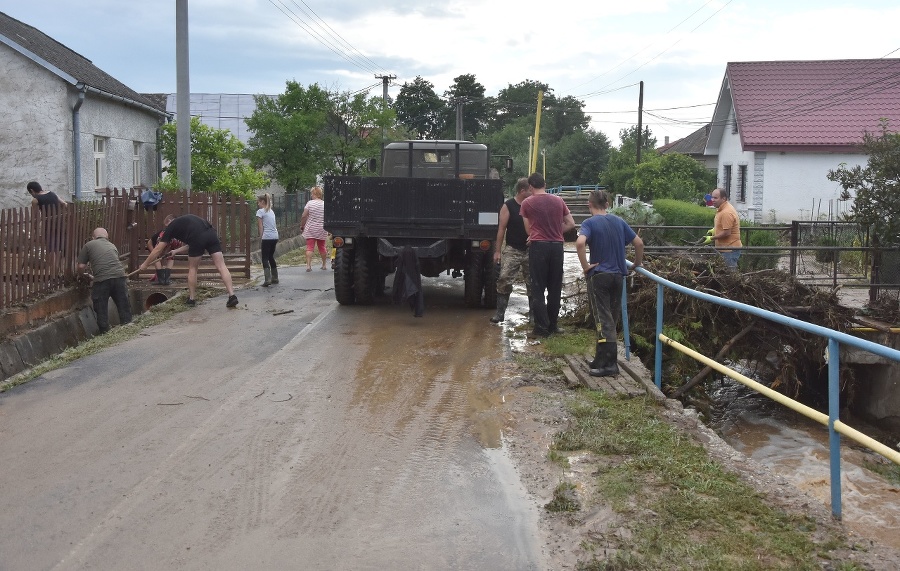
325,438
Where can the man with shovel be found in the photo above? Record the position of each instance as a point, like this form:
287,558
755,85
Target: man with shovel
109,278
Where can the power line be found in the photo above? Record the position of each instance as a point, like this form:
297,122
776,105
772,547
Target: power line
286,10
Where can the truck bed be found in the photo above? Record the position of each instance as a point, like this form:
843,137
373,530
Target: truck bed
412,207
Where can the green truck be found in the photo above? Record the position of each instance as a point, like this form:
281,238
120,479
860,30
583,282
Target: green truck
440,198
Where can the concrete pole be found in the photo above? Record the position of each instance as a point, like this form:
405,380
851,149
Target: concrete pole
183,96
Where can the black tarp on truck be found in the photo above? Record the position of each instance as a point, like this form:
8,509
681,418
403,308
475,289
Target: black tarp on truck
448,217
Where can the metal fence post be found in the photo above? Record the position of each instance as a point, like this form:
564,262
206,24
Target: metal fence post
834,413
657,367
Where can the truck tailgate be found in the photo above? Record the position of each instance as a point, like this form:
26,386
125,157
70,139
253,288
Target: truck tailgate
412,206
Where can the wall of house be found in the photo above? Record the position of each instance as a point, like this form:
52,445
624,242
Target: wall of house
797,187
35,141
121,126
731,153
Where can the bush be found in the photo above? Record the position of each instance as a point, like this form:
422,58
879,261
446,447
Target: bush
680,213
757,235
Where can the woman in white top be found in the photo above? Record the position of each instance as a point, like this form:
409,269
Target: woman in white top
265,219
312,223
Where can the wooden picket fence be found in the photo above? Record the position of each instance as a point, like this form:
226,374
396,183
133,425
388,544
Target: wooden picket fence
38,250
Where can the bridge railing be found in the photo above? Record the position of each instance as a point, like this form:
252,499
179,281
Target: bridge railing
835,338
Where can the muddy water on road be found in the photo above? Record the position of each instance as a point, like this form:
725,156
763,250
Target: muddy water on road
415,472
797,448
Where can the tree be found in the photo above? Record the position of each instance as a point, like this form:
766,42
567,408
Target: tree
518,101
353,132
578,158
216,162
476,108
562,117
287,135
876,203
512,141
420,109
619,173
673,175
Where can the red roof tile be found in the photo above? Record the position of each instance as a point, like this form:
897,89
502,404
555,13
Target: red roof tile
823,104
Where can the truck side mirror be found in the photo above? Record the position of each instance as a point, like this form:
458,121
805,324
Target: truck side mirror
373,165
509,164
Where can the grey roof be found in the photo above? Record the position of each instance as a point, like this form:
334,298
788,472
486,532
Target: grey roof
219,110
693,144
64,62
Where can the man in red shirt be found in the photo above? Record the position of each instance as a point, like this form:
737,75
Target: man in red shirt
546,218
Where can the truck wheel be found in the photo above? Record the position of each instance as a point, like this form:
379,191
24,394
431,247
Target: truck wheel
490,282
474,279
343,277
364,274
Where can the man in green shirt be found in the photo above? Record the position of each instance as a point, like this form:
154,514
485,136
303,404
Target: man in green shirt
109,278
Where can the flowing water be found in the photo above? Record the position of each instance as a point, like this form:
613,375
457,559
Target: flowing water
795,447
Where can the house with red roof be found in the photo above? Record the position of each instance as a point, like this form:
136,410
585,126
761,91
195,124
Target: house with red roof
780,126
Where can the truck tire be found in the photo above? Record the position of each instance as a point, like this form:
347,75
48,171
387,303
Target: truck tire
490,282
474,279
364,273
343,277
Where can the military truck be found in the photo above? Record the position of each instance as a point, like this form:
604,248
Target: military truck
440,198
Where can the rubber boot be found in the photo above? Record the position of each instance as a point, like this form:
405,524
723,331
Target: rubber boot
502,302
274,275
268,277
595,363
166,276
607,367
159,277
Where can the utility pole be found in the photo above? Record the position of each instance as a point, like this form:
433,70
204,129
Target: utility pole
385,79
459,118
537,130
640,130
182,97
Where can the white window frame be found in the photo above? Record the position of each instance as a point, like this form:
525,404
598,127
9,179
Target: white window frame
136,164
99,163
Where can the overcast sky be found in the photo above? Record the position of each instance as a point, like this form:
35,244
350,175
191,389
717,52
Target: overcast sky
596,51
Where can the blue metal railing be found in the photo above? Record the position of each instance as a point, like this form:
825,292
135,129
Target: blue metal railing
835,338
578,188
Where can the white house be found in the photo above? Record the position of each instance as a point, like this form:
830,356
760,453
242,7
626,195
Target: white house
68,124
780,126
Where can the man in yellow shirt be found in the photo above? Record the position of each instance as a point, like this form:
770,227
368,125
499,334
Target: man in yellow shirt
726,229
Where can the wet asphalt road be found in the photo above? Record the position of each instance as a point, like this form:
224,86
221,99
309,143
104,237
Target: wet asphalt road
329,437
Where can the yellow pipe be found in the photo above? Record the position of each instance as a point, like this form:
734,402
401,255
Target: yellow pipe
806,411
537,130
867,441
873,330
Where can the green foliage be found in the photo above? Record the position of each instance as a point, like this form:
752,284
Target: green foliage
577,158
674,176
759,236
512,140
680,213
618,176
287,135
476,108
636,214
876,187
564,499
353,133
420,109
216,162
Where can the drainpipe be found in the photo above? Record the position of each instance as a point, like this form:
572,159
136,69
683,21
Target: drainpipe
76,139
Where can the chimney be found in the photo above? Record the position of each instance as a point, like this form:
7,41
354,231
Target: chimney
667,139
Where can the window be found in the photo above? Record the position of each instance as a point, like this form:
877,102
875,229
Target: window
436,157
136,165
99,163
742,183
726,178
